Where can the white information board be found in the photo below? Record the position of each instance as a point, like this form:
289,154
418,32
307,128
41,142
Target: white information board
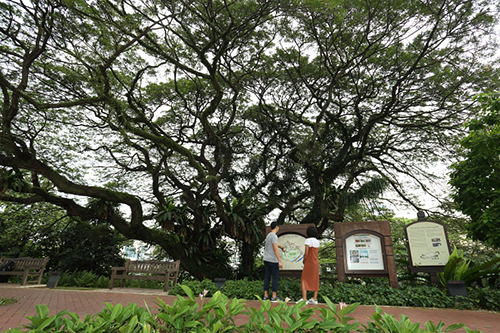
364,252
427,244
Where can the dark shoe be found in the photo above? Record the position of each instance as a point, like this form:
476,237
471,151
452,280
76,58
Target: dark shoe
275,299
265,298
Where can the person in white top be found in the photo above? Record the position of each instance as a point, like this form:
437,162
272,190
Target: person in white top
310,272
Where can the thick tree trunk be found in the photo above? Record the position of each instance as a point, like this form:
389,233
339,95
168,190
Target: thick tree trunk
247,264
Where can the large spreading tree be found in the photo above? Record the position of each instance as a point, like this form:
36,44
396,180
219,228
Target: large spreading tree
201,119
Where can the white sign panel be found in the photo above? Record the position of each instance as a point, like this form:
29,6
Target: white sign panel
293,256
427,243
364,252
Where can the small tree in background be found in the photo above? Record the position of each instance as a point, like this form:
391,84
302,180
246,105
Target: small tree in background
476,179
41,230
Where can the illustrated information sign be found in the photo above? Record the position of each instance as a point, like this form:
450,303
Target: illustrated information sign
293,256
427,243
364,252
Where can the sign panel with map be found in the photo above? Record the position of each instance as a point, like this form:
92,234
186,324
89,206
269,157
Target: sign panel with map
427,243
292,238
364,252
293,256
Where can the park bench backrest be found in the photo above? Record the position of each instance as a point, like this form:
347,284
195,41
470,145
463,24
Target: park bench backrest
151,266
22,263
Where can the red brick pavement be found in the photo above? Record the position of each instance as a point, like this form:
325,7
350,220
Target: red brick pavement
91,302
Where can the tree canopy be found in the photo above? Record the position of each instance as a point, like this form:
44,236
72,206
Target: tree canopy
476,178
201,119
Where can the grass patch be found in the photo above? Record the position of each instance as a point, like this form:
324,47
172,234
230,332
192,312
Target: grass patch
77,288
7,301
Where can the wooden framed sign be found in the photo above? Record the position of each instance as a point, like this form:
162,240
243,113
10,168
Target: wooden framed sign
364,249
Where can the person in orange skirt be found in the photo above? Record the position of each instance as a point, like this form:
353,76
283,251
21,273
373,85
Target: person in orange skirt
310,272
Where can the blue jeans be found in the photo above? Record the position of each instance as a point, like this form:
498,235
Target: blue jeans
272,271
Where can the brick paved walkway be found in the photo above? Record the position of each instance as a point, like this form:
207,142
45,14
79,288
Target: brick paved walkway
91,302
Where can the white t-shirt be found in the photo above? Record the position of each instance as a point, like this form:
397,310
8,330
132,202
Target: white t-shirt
312,242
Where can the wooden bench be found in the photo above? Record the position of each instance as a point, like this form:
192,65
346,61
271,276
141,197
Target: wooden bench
147,270
26,267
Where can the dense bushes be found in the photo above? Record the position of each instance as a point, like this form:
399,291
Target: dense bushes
421,296
368,294
373,292
485,298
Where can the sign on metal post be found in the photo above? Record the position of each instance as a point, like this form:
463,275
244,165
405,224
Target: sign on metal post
428,246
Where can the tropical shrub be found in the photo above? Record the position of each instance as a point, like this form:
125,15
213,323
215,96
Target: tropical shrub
458,268
198,287
247,289
82,279
382,322
407,295
193,314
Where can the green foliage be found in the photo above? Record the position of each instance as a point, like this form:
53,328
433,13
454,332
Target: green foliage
247,289
148,284
82,279
84,246
293,318
476,179
41,229
197,314
376,292
85,279
487,298
197,287
111,319
382,294
458,268
386,323
7,301
22,227
185,316
369,291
